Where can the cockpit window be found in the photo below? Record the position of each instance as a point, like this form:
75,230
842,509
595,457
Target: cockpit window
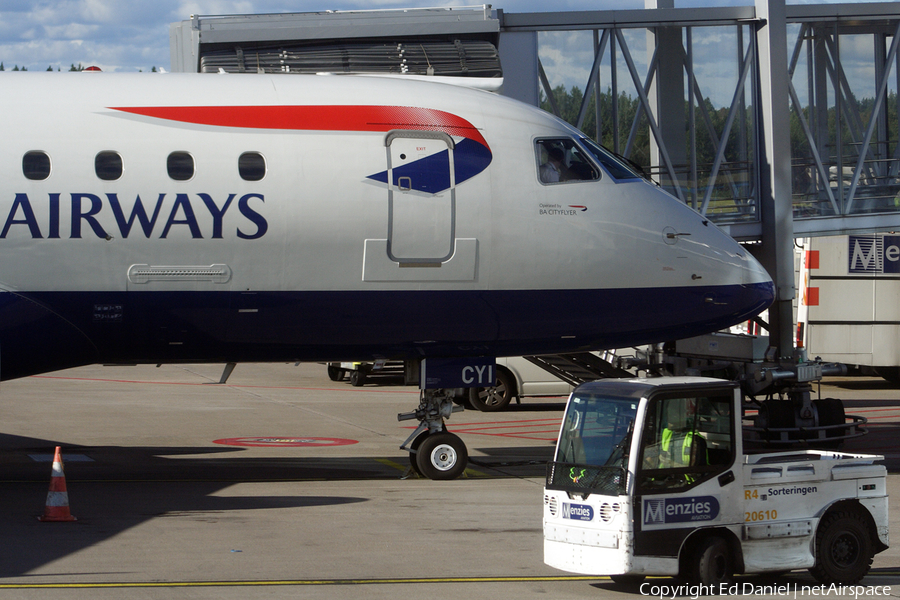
561,160
616,166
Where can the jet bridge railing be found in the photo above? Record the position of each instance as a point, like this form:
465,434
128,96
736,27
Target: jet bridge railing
711,166
654,91
847,160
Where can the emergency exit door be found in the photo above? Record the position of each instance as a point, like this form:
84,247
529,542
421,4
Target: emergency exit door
421,197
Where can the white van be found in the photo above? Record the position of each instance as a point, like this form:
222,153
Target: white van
516,378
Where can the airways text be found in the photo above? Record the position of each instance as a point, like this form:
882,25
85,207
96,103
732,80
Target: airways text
91,213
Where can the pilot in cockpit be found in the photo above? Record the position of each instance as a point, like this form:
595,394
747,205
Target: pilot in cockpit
553,168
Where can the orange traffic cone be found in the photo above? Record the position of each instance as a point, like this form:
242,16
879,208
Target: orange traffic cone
57,508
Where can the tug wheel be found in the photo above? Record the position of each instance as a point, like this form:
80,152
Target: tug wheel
843,548
712,564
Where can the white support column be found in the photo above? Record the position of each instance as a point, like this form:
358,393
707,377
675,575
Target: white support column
519,58
775,169
667,95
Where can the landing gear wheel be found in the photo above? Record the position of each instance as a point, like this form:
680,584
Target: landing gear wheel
441,456
712,564
843,549
496,398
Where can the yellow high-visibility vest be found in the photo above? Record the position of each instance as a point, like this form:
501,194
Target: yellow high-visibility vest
667,435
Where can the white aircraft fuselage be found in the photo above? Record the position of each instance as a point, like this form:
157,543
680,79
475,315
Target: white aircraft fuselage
314,218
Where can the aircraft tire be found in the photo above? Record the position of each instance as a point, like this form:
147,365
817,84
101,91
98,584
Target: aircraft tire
413,452
844,549
442,456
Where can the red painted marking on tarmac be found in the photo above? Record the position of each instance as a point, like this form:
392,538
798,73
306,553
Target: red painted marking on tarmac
100,380
205,383
285,442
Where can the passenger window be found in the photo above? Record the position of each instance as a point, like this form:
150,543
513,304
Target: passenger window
561,160
36,165
180,166
252,166
108,166
685,440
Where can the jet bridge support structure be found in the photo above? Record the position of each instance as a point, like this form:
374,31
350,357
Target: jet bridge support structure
775,121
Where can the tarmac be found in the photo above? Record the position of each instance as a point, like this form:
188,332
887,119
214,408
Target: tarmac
282,484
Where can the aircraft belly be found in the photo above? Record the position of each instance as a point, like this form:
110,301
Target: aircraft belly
68,328
34,338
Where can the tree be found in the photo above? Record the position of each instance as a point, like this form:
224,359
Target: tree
569,103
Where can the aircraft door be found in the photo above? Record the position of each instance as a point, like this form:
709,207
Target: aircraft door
421,197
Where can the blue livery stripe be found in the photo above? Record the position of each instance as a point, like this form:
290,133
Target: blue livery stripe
48,331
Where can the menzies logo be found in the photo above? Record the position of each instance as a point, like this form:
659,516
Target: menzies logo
680,510
874,254
578,512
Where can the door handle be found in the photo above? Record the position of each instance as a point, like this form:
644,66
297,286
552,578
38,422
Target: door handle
726,478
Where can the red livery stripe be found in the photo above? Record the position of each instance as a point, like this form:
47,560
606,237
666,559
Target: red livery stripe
319,118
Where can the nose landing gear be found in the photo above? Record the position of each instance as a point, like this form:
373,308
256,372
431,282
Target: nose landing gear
434,452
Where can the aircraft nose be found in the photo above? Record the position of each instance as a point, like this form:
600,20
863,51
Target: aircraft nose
733,280
759,287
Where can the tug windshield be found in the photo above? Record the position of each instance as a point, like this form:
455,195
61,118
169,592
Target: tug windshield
592,455
595,431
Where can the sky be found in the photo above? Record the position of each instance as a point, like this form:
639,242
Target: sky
133,35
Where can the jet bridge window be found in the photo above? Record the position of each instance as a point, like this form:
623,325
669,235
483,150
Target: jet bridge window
36,165
687,439
108,165
561,160
252,166
180,166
